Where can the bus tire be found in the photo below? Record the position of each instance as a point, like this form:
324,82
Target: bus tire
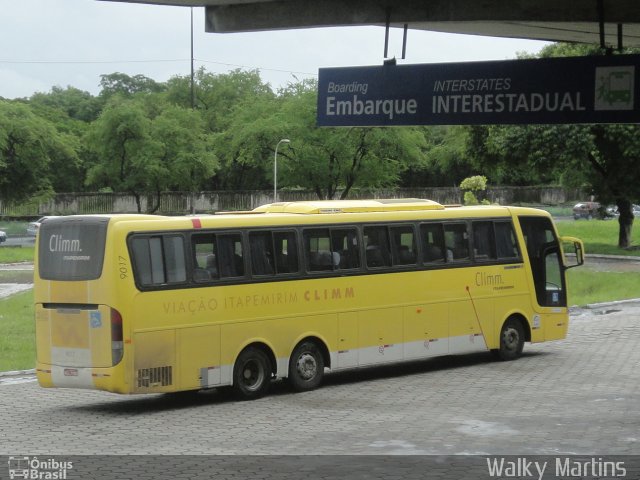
511,340
306,367
251,374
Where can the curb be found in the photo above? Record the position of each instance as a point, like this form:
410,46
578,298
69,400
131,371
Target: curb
612,304
614,257
15,373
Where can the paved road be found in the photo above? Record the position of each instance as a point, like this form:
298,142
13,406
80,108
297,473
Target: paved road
15,240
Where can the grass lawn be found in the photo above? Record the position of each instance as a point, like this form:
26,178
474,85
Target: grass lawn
600,236
17,332
589,286
16,254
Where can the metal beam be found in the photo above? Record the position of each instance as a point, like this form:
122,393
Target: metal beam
573,21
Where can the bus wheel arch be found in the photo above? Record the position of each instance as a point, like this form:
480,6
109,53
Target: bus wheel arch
252,371
513,333
306,364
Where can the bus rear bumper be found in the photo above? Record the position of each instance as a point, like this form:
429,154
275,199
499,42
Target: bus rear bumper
54,376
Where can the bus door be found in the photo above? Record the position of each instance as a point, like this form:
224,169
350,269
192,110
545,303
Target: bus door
545,257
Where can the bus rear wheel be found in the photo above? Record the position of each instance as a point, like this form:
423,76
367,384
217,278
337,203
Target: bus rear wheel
511,340
306,367
251,374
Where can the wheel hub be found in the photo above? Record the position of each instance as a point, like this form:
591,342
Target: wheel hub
307,366
511,339
252,375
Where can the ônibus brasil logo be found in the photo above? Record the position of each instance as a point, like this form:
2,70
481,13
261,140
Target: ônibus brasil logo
38,469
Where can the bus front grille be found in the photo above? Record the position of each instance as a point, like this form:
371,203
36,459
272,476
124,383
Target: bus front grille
154,377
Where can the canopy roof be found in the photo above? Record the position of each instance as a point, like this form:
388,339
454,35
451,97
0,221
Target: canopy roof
554,20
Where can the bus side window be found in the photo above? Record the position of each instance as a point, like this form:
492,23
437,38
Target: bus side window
261,248
230,255
456,241
506,244
159,260
317,243
377,249
344,247
483,241
286,252
205,266
403,245
433,242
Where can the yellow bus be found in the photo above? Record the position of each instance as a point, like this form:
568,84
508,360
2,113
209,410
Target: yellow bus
149,304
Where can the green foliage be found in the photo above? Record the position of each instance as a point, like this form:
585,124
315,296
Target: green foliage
470,199
125,85
73,103
186,150
474,186
146,147
16,255
477,183
444,159
128,158
17,332
587,286
599,236
30,150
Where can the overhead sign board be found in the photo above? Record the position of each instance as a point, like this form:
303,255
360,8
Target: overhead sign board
603,89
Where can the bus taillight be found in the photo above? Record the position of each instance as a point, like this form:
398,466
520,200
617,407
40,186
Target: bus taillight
116,336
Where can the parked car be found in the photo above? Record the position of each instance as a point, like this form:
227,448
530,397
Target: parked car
3,236
587,210
612,211
33,227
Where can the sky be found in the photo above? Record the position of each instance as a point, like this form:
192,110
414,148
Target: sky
47,43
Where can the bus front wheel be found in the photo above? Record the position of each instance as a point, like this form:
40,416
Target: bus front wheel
251,374
306,367
511,340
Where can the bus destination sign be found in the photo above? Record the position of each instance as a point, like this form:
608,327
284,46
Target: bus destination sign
596,89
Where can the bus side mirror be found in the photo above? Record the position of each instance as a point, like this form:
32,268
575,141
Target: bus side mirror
573,249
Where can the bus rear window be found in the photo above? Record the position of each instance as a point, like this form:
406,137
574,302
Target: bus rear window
71,248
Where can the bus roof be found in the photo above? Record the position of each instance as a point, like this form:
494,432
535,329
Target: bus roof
323,211
350,206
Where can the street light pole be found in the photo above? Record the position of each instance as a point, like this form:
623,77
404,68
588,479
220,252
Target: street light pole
275,169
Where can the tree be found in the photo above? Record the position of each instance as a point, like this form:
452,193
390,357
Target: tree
246,147
70,111
218,95
472,186
127,158
601,158
29,145
615,163
444,161
186,148
75,103
147,147
122,84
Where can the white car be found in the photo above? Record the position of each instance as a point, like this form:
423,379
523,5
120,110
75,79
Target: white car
3,237
33,227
